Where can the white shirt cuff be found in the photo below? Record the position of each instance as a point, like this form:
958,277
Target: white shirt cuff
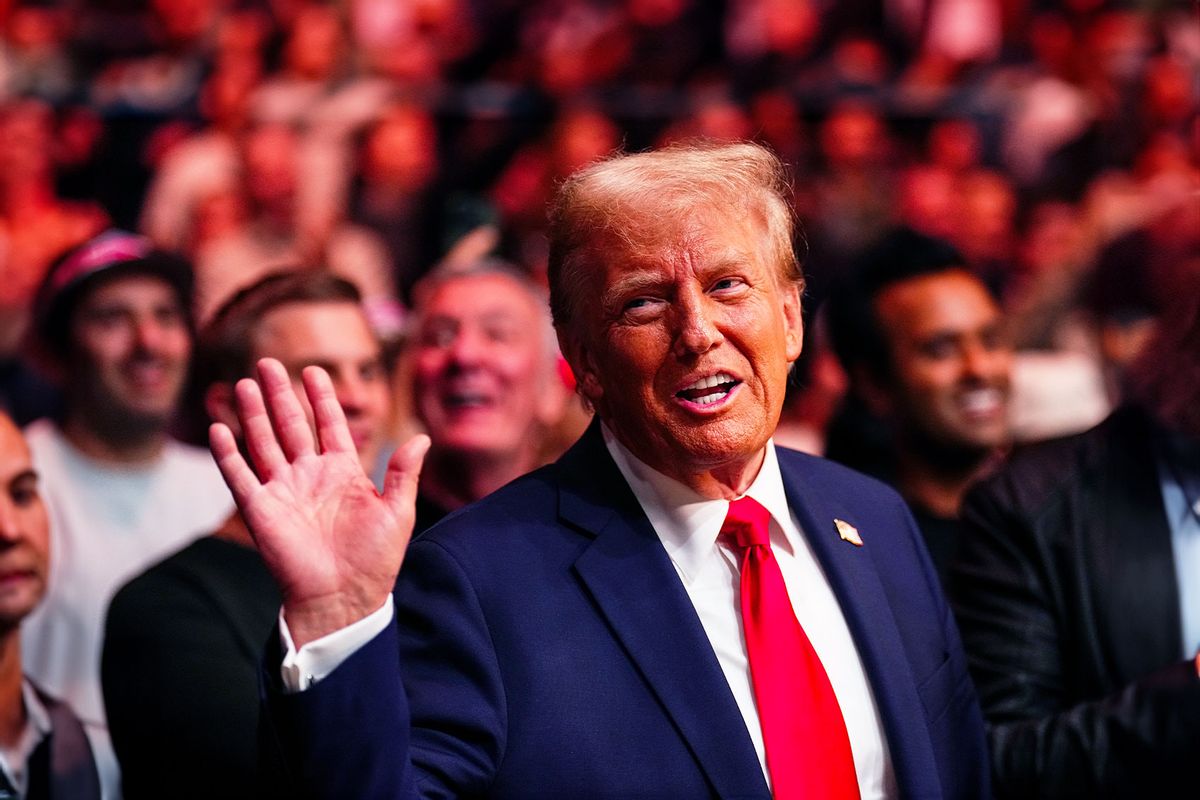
314,661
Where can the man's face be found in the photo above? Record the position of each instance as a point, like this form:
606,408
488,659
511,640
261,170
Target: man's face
131,345
24,529
685,349
950,362
480,365
336,337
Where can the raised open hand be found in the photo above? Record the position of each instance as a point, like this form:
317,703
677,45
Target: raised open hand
333,543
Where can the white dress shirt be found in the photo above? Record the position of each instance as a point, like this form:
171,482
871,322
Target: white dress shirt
688,525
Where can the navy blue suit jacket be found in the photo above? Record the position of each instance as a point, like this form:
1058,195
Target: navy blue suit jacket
548,649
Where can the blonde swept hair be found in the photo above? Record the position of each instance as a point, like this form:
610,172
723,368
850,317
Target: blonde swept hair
636,201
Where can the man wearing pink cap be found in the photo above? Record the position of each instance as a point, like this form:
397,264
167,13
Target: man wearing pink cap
112,324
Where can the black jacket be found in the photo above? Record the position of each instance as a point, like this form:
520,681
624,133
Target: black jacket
1065,592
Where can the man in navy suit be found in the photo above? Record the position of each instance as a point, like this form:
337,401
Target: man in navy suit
595,629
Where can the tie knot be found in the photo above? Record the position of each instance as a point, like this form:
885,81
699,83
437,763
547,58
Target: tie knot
747,523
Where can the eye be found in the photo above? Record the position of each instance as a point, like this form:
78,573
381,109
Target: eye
727,285
939,348
501,333
24,494
439,335
641,309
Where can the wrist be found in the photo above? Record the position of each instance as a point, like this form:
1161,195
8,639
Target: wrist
312,619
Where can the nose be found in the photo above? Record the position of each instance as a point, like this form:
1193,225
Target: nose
984,363
466,349
9,530
351,392
148,332
698,329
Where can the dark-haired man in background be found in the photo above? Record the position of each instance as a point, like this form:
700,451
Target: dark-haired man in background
112,322
1077,589
922,342
183,640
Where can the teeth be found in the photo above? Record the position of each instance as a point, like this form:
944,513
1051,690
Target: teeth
709,399
709,382
981,400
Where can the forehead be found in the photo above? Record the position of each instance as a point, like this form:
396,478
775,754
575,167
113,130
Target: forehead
479,296
314,331
700,239
14,452
136,289
954,300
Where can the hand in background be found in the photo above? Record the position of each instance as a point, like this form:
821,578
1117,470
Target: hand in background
333,543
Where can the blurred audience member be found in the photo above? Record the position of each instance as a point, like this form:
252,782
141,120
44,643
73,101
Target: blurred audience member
111,320
923,345
272,237
1077,590
579,136
34,61
44,751
485,383
183,640
851,203
985,229
35,223
396,193
206,161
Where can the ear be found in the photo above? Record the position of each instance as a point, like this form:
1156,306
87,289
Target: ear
793,320
220,405
579,356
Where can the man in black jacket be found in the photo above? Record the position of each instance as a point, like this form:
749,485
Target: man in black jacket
1077,590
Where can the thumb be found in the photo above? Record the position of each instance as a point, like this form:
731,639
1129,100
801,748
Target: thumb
403,470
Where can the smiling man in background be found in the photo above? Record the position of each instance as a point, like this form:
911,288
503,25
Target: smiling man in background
923,345
484,381
112,321
183,639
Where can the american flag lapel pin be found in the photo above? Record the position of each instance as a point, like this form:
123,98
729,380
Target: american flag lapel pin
848,532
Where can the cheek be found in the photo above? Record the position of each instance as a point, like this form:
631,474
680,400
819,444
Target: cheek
179,344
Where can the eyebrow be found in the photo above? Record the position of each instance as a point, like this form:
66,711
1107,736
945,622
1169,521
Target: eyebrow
21,477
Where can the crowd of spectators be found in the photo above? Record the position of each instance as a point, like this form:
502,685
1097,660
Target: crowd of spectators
372,136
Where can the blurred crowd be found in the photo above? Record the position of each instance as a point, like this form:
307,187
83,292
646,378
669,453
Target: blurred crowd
378,138
399,154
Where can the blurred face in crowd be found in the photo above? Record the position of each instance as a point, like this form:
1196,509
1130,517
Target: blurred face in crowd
24,529
950,364
131,347
401,150
336,337
481,364
684,346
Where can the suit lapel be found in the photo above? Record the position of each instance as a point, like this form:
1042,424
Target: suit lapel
852,575
629,576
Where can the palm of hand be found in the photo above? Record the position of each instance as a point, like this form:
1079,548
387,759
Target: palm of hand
331,541
321,524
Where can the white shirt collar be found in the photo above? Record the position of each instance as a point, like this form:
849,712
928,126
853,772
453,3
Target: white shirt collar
687,522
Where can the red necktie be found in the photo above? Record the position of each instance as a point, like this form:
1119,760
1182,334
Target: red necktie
808,749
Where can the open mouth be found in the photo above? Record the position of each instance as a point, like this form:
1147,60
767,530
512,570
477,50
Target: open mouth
981,402
710,390
461,401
